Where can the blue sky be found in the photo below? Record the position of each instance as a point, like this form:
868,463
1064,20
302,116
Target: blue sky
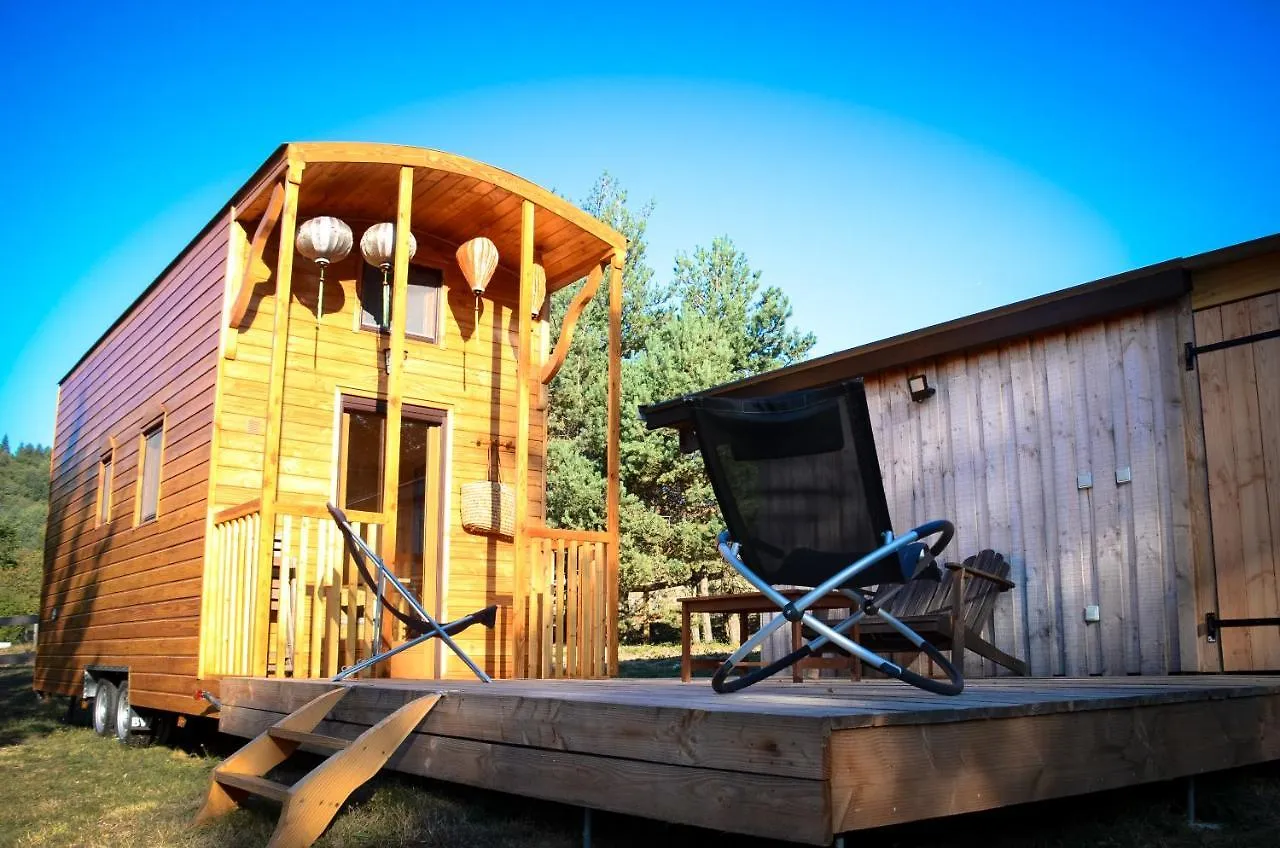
889,165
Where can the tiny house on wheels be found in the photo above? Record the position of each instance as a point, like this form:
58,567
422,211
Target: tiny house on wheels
361,324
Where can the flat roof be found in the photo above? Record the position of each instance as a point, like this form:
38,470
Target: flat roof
1140,288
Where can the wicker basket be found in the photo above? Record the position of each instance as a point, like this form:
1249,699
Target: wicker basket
489,507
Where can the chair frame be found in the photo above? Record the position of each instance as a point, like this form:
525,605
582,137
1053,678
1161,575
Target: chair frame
797,611
431,628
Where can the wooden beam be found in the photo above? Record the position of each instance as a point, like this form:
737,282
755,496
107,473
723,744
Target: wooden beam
255,270
395,385
274,413
613,465
570,323
524,369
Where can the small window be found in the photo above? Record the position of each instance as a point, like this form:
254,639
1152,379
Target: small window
149,474
104,489
422,318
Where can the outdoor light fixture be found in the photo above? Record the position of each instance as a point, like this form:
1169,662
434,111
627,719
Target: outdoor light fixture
539,289
919,387
478,259
324,240
378,244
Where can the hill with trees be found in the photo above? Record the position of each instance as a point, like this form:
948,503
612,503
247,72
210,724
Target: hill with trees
24,504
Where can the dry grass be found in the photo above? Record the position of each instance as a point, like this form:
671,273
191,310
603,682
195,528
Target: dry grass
68,787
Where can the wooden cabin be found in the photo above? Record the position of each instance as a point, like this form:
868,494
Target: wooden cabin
198,441
1118,441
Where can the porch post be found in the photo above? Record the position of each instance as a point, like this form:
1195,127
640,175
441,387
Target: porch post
524,376
275,412
613,471
395,385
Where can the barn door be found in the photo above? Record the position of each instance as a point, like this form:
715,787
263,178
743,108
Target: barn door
1240,396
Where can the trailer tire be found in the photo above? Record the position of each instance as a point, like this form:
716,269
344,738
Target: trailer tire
104,708
124,719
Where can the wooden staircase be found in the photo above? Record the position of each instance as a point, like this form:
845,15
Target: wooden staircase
309,805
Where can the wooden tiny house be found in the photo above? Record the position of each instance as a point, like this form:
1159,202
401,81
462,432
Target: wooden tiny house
199,439
1073,433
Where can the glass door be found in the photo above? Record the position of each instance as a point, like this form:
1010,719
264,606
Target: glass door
417,519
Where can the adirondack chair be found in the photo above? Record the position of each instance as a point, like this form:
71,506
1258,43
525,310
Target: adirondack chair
928,608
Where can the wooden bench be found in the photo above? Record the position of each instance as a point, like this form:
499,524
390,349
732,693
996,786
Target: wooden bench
744,605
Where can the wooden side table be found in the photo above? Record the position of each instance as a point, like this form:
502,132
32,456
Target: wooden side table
742,606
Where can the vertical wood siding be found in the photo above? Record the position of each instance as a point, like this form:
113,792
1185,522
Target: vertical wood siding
998,450
124,595
471,373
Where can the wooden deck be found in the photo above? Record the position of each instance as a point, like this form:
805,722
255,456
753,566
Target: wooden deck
801,761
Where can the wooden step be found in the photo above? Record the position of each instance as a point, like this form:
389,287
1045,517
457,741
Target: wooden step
259,786
315,740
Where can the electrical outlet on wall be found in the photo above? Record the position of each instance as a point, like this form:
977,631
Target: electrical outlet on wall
1092,614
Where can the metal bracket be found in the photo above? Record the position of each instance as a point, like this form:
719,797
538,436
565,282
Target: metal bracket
1190,351
1214,625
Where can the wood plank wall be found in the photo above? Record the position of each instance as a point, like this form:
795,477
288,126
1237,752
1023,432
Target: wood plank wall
128,595
471,373
999,450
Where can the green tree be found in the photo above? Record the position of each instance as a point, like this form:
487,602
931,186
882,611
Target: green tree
714,322
24,505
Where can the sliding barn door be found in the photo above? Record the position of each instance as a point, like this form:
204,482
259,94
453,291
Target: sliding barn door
1240,394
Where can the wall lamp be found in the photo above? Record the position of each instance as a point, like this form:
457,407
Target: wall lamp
919,387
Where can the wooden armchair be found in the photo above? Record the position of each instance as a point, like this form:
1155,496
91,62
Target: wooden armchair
929,609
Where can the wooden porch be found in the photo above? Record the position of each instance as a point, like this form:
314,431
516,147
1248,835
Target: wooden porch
800,762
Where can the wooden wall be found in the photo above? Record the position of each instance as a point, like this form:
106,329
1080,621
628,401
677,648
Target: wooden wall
999,450
470,373
128,595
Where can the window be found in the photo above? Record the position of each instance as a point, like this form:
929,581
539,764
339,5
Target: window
104,489
422,317
149,473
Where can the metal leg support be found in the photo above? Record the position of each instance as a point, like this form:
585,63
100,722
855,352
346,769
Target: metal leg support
1192,822
586,827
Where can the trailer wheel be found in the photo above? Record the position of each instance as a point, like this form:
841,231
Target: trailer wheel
125,718
104,708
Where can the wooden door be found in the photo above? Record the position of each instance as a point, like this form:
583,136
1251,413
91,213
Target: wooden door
1240,395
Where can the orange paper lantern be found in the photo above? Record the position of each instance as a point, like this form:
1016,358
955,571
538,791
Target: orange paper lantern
478,259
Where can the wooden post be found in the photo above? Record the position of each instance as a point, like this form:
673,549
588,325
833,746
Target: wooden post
524,374
614,426
395,392
275,412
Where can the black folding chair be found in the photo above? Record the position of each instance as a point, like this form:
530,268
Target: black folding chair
417,621
798,483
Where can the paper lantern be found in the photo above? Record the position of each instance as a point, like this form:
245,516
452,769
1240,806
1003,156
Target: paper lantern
324,240
378,244
478,259
539,289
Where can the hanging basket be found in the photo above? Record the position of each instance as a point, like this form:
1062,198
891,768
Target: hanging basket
489,506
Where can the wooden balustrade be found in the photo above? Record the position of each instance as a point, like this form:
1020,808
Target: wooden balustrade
570,622
320,611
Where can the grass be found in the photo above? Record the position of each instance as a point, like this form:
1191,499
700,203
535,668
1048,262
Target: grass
68,788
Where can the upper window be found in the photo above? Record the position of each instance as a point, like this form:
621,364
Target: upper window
104,489
149,473
423,315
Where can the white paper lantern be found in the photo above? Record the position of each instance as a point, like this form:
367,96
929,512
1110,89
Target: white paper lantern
324,240
539,289
378,244
478,259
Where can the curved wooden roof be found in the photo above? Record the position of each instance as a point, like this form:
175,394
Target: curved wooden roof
454,199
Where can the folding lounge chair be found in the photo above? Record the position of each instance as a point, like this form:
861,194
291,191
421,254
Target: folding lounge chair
798,483
418,621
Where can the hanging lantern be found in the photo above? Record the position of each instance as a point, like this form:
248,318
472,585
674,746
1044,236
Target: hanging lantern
378,244
478,259
324,240
539,289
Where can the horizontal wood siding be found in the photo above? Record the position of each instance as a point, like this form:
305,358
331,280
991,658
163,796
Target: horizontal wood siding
120,594
999,451
470,373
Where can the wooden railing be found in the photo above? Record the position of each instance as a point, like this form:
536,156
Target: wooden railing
319,611
571,613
